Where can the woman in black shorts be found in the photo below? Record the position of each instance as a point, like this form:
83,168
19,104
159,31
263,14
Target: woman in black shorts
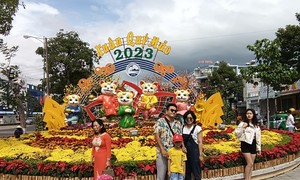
249,134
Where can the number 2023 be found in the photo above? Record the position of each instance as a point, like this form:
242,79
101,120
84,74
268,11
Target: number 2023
138,53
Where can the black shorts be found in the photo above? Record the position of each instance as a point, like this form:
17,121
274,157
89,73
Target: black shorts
248,148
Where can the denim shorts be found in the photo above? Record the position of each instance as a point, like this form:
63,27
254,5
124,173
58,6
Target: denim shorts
176,176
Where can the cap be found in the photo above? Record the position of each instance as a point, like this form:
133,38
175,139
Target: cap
177,138
292,109
19,126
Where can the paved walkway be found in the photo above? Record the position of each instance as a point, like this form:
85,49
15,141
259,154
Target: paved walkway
291,175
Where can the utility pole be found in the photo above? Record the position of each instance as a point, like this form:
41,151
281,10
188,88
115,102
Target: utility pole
47,66
44,40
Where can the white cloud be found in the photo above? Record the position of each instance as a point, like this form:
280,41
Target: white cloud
196,29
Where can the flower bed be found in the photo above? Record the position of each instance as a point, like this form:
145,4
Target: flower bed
67,153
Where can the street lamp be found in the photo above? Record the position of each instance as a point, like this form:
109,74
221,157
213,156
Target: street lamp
44,41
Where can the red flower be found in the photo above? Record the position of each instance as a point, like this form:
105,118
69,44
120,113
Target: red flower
61,165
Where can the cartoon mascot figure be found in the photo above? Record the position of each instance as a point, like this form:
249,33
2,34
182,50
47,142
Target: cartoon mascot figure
126,111
148,99
108,99
182,97
73,109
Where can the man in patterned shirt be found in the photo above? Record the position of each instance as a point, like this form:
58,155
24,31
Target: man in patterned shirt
164,129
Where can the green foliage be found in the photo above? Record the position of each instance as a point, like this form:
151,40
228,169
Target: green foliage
8,9
289,38
33,104
69,60
269,69
278,61
228,83
39,123
224,80
231,116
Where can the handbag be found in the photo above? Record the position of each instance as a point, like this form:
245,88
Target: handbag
109,171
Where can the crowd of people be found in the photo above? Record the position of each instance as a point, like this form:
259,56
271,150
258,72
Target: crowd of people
179,147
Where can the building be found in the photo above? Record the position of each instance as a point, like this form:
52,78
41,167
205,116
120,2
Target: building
29,88
255,95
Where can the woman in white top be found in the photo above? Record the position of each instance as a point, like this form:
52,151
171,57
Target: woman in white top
249,134
192,137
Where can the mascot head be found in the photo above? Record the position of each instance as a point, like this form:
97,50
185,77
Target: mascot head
182,95
73,100
149,88
108,88
125,97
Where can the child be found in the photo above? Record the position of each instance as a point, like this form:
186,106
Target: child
177,158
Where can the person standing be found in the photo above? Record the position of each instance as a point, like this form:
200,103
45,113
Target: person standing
249,134
290,121
101,148
192,137
177,158
164,129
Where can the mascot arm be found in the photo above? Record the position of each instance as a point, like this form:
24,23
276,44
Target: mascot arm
132,110
121,110
154,100
77,109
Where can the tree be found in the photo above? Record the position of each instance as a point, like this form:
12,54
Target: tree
289,38
13,86
268,67
15,96
69,60
33,105
7,95
8,9
227,82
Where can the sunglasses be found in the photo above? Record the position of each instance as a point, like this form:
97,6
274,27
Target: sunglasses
173,110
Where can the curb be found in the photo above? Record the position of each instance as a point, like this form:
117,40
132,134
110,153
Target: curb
264,173
276,170
11,124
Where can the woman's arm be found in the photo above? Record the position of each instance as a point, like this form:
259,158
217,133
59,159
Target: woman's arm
240,129
108,149
258,140
200,145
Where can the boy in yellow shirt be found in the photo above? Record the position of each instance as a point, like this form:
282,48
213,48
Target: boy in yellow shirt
177,158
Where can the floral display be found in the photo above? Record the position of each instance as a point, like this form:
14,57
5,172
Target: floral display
67,152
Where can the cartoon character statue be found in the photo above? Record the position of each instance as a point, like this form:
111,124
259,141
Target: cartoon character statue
182,97
108,99
126,111
148,99
73,109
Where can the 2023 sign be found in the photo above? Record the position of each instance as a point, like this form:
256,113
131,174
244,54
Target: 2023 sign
137,53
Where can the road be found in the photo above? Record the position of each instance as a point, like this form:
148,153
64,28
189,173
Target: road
8,130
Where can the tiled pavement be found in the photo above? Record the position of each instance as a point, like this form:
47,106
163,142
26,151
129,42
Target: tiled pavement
290,175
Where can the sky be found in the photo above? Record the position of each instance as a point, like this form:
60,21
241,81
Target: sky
198,31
